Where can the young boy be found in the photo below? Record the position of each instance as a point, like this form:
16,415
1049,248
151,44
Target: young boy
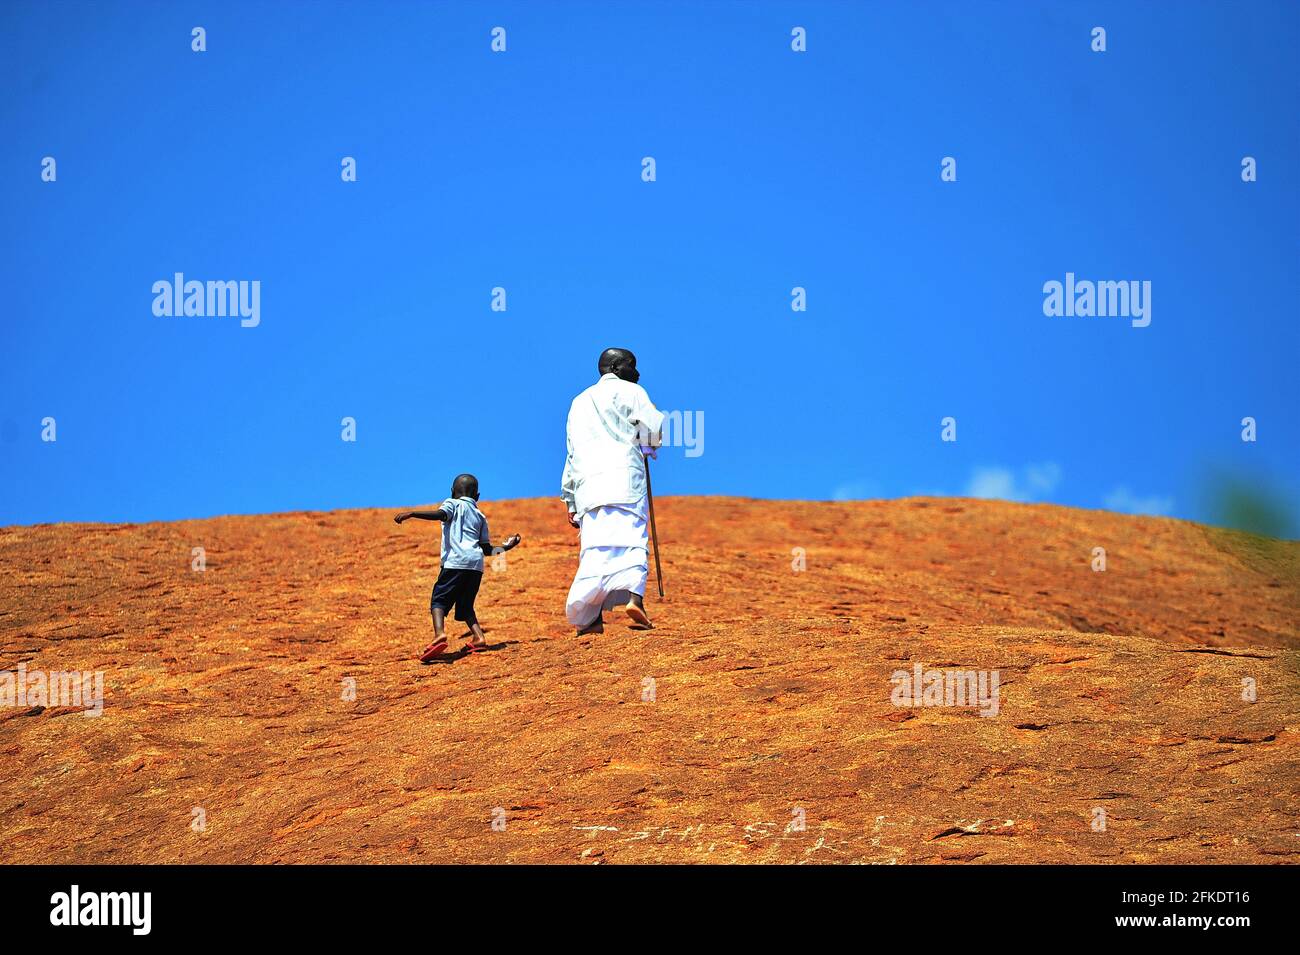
465,542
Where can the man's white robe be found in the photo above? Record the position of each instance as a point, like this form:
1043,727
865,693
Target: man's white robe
613,564
604,484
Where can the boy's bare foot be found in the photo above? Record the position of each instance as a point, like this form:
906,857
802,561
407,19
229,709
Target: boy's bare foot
636,613
475,640
433,650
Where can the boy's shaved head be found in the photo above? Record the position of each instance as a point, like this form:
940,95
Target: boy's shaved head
465,485
621,362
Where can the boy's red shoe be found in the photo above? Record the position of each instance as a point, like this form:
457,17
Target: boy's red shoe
433,650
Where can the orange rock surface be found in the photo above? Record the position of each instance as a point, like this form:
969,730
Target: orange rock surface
754,724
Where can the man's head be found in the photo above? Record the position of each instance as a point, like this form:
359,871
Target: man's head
465,485
620,362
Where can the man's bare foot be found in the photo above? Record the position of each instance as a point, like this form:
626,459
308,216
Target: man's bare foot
636,613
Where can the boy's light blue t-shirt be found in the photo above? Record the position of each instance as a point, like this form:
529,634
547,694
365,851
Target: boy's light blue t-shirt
464,528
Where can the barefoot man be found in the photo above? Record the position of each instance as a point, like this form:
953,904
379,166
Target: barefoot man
604,488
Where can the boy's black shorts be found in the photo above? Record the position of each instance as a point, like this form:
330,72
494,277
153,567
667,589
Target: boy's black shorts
457,588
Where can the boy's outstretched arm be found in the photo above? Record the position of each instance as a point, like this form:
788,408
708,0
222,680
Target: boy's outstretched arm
508,544
438,515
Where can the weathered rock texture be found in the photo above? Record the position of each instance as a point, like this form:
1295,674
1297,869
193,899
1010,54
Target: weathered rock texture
1120,691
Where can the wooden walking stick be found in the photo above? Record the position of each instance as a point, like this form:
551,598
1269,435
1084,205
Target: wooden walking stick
654,535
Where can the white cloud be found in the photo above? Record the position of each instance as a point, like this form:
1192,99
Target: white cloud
993,482
1043,477
856,491
1033,482
1123,500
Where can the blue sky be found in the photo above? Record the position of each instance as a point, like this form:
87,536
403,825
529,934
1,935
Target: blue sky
522,170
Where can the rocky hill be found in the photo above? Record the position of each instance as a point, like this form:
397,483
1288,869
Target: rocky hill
269,707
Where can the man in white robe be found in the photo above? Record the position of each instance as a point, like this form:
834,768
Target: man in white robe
611,426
